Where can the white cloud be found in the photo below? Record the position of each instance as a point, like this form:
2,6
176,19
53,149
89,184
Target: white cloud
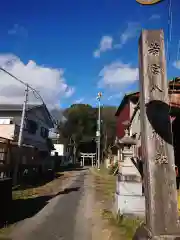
18,30
105,45
49,82
78,101
154,17
117,75
176,64
114,96
107,42
69,92
130,32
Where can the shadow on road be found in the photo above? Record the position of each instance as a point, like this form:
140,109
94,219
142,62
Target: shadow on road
26,208
68,190
36,179
71,168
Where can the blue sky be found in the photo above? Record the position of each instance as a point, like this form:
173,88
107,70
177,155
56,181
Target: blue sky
70,50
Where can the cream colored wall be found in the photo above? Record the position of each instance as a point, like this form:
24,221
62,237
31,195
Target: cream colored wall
7,131
135,126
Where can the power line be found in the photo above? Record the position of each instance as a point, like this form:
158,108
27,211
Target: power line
170,26
24,83
34,91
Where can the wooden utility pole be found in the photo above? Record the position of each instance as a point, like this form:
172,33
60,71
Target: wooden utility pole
20,139
156,139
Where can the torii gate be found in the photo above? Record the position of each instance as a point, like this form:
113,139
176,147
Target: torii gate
87,155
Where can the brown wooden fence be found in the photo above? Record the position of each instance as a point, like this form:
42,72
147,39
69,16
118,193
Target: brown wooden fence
10,153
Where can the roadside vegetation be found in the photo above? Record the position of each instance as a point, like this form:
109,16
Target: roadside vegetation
178,201
119,227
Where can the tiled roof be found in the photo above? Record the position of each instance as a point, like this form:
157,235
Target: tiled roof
16,107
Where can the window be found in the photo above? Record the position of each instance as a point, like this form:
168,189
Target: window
32,126
44,132
5,121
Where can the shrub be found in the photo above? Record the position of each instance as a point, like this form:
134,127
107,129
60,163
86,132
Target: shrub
113,168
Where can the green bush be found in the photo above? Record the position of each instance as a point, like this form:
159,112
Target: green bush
113,168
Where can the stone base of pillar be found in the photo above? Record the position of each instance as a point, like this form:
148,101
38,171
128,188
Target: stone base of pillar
142,232
128,198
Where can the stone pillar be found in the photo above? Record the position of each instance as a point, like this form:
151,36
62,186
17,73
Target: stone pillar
156,138
128,198
127,167
118,155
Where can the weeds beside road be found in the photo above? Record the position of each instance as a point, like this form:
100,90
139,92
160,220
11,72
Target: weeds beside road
115,228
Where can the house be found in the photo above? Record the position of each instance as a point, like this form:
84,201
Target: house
36,128
128,115
62,152
125,112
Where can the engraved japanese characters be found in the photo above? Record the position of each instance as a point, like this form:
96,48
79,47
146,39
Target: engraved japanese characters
155,70
154,49
160,157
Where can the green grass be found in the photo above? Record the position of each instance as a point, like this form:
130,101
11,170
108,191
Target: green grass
126,226
23,194
4,232
105,182
105,185
178,197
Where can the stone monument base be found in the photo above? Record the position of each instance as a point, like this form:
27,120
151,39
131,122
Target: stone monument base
128,198
142,233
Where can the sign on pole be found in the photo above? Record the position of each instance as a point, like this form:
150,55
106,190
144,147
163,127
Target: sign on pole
97,133
148,2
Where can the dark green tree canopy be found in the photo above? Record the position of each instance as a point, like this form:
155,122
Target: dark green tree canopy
81,124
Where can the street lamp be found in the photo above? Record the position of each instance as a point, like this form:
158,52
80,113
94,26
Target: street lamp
98,133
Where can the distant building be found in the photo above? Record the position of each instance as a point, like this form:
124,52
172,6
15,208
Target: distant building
128,115
36,129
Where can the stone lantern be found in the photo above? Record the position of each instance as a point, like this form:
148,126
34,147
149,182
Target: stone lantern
126,153
129,198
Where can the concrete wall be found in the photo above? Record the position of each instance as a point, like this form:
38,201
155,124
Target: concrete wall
59,148
125,115
36,139
30,139
136,128
7,131
135,125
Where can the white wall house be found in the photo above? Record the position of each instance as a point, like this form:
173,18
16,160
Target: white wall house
59,149
37,124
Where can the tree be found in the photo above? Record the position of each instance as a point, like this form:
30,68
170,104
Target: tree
108,127
80,123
